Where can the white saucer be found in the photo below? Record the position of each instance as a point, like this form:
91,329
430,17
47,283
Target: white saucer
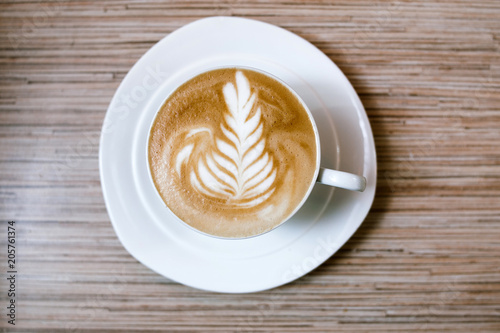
327,220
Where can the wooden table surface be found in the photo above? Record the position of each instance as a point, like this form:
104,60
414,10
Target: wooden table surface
427,257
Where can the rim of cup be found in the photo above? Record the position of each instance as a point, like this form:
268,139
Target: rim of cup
310,117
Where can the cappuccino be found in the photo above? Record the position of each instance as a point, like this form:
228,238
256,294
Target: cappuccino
232,152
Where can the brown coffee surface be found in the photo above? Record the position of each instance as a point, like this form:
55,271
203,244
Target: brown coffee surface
232,152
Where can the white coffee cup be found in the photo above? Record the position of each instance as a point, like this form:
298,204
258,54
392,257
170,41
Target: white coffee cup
335,178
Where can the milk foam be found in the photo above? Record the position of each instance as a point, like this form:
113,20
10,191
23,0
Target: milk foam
232,152
238,168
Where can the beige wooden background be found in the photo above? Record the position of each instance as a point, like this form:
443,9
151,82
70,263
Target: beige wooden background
427,258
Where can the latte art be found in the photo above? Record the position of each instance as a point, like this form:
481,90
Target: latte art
232,152
238,168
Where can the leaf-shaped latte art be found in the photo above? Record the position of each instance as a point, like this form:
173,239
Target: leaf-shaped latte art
238,167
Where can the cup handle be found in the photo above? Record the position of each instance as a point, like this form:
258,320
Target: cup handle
341,179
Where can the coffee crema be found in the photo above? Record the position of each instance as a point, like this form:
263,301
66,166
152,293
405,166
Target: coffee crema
232,152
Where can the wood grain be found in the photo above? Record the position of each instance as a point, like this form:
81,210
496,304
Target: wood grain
427,258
